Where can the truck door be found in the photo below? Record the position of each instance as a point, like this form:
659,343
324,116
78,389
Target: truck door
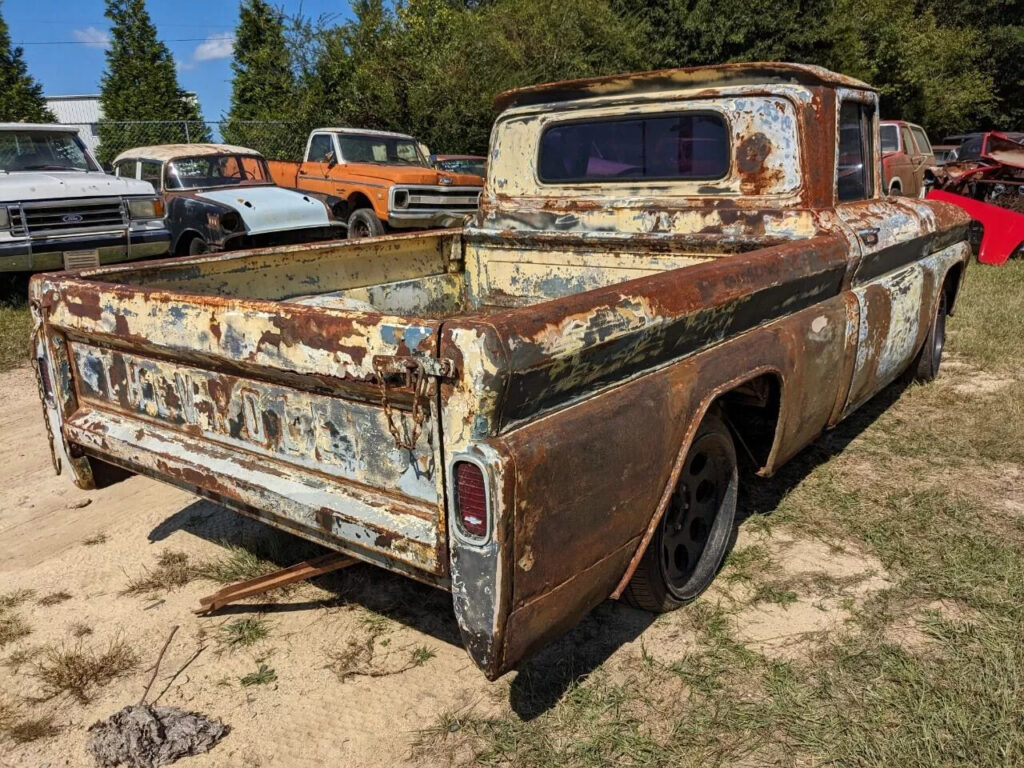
888,279
321,156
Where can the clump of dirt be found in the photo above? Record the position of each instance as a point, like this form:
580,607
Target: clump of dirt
142,736
911,632
811,592
982,383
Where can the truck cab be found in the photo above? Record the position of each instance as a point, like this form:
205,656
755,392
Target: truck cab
384,180
59,210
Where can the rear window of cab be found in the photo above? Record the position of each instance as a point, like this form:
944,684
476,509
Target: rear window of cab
693,146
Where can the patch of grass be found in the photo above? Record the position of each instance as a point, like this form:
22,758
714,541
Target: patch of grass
54,598
747,564
79,629
78,671
262,676
15,598
173,569
244,632
32,729
775,593
12,626
236,564
96,538
421,656
20,657
986,327
15,329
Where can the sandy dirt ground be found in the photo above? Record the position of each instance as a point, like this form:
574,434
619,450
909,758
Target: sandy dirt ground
363,659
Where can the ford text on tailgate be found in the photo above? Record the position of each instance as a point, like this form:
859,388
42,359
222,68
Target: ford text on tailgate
544,409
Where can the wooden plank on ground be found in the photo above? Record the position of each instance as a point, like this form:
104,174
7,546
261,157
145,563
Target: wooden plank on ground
250,587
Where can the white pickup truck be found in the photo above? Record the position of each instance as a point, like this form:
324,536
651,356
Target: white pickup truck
59,210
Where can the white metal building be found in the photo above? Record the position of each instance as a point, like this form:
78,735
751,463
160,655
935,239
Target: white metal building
82,110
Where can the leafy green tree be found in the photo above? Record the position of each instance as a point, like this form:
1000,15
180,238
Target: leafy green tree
433,67
21,96
263,88
140,96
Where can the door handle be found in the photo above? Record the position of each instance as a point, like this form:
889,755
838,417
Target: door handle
869,235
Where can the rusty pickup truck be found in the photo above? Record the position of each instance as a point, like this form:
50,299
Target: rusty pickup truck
670,272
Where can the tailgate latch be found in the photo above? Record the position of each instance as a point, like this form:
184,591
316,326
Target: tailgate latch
415,373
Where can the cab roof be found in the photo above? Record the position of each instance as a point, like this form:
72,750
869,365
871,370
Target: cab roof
166,152
364,132
752,73
39,127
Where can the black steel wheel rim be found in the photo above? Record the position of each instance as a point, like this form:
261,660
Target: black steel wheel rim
689,521
940,330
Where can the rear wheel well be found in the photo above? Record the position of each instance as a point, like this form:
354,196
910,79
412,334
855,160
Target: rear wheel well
951,286
751,411
896,184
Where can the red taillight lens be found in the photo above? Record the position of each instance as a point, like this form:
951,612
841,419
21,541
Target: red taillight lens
471,498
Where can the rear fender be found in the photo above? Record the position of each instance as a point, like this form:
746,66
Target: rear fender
591,480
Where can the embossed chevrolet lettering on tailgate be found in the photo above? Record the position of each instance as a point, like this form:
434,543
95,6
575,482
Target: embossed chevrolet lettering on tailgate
345,438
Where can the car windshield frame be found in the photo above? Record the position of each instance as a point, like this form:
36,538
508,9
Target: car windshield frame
887,146
174,181
352,152
26,145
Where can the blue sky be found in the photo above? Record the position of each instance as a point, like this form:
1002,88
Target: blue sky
64,41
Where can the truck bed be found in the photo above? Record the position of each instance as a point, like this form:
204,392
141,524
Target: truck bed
256,378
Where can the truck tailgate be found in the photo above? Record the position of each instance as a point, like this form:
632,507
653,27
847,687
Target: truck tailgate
272,408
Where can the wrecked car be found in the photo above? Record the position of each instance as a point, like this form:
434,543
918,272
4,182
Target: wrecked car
220,197
987,181
546,408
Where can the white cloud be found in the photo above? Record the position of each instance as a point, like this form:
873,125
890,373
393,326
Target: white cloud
218,46
92,37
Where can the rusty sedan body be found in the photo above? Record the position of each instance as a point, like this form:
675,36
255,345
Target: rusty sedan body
665,266
220,197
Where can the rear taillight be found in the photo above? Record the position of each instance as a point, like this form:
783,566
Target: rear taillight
470,499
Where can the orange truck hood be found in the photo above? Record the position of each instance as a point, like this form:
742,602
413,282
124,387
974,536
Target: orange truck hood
401,174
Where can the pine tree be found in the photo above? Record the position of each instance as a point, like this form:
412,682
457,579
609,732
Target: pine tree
21,96
141,84
263,88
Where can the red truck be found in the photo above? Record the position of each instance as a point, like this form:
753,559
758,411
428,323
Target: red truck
987,182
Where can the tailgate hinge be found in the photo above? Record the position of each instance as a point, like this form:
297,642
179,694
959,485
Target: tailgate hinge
416,372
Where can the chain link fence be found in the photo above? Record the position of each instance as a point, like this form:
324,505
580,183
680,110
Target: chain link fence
276,140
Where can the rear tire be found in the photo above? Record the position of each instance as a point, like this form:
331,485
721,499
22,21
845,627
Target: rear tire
364,223
926,366
693,535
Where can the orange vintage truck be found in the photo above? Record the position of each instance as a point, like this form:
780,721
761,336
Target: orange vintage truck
383,179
